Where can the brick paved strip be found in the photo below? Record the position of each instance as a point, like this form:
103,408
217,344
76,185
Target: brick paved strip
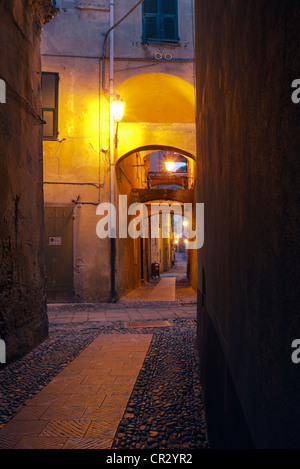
83,405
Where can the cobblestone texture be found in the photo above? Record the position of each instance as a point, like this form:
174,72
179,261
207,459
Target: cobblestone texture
165,408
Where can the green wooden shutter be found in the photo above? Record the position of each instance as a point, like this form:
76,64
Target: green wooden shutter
151,20
169,20
151,6
169,7
160,20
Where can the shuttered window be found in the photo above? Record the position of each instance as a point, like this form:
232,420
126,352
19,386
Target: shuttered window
50,105
160,21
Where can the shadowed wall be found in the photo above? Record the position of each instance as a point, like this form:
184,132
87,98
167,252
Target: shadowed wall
23,318
247,56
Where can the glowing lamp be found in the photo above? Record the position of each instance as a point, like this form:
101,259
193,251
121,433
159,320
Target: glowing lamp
170,165
185,223
117,109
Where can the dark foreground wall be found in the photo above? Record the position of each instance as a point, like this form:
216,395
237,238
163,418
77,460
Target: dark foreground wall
23,318
247,56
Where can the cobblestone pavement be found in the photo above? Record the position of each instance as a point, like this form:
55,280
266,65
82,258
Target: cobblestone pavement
164,409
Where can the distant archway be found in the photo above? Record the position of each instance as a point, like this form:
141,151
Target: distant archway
159,116
157,147
145,196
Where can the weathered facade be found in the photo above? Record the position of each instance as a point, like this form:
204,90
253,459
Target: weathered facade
247,57
93,159
23,318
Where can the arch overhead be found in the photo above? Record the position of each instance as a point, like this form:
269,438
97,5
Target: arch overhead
161,195
151,148
144,171
159,112
158,97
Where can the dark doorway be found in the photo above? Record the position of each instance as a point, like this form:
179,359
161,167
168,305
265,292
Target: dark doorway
59,253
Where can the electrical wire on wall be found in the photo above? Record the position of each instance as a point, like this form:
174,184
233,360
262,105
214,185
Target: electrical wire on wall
101,152
57,157
98,185
105,40
41,121
29,106
194,44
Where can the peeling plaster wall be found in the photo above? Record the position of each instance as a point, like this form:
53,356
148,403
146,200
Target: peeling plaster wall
247,56
178,135
72,47
77,161
23,318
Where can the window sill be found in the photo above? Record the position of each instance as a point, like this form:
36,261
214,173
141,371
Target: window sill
99,7
50,139
161,43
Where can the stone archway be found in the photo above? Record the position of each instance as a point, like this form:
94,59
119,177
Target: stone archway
153,147
158,97
159,112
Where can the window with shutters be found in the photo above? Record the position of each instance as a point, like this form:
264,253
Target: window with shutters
50,105
160,21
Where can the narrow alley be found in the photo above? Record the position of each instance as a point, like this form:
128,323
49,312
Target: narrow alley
149,221
121,375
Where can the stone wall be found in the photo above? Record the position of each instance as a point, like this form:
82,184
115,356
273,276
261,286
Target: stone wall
23,318
247,56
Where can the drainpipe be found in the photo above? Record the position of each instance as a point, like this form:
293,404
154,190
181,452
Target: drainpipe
113,200
112,156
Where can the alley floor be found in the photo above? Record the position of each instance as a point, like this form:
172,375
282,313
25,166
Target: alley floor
121,375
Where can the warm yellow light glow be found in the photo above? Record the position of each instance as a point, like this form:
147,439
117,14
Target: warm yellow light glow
158,94
176,241
170,165
117,109
185,223
186,241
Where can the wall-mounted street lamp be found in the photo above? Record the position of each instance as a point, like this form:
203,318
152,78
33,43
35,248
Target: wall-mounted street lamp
117,111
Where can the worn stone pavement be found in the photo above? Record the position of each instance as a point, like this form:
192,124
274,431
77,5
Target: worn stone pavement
82,406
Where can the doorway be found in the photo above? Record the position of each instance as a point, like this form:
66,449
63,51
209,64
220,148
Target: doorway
59,253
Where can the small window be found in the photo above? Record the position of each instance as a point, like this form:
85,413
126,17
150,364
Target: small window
50,105
160,21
